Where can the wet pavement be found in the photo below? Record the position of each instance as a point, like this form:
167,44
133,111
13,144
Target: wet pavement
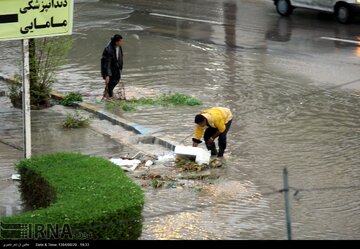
294,94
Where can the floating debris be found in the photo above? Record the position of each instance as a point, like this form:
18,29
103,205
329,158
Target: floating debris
171,185
154,176
186,164
126,164
157,184
184,173
206,176
148,163
149,176
168,157
15,177
215,163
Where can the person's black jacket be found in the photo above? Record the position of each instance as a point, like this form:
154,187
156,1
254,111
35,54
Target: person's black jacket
110,66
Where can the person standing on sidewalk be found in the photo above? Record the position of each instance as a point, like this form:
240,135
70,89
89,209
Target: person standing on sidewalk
216,122
112,65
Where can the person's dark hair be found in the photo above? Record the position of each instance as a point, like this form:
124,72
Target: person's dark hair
115,38
199,118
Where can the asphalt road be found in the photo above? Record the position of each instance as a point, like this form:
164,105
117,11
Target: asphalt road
308,43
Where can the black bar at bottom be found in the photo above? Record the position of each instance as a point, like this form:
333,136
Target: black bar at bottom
9,18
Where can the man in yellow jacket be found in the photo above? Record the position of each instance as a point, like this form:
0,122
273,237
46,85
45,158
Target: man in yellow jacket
217,122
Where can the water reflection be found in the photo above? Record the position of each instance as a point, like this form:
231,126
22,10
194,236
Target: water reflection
230,11
280,31
175,226
357,51
299,31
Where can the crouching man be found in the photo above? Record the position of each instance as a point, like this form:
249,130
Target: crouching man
216,122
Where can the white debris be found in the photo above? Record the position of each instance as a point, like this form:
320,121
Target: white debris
169,157
126,164
201,156
15,177
148,163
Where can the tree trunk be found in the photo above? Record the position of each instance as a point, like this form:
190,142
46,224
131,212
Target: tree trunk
32,60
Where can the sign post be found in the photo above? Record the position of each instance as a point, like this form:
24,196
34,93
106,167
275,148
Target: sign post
24,19
26,100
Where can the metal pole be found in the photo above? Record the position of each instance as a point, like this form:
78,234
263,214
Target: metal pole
26,100
287,204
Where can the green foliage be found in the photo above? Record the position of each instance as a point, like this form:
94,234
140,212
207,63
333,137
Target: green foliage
15,94
46,56
156,183
128,107
50,54
125,105
76,120
176,99
90,194
70,98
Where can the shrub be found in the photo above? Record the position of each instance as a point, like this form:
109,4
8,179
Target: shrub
88,195
15,93
70,98
76,120
46,56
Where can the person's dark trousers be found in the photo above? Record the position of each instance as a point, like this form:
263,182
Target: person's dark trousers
112,83
222,139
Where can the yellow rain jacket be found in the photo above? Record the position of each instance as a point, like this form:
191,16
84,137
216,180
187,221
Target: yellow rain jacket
217,117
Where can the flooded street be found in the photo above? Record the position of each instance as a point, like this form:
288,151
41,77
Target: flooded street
294,94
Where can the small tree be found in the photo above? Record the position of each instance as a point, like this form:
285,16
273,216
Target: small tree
46,56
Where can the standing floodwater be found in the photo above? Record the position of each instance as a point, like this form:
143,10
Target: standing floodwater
280,79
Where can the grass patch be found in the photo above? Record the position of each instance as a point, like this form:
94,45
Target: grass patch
176,99
70,98
86,195
76,120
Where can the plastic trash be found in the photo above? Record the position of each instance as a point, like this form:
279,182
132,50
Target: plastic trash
169,157
148,163
126,164
15,177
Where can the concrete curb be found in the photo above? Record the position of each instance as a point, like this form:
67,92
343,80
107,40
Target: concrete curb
130,126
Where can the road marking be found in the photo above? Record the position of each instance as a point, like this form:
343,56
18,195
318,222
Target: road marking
341,40
186,18
9,18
